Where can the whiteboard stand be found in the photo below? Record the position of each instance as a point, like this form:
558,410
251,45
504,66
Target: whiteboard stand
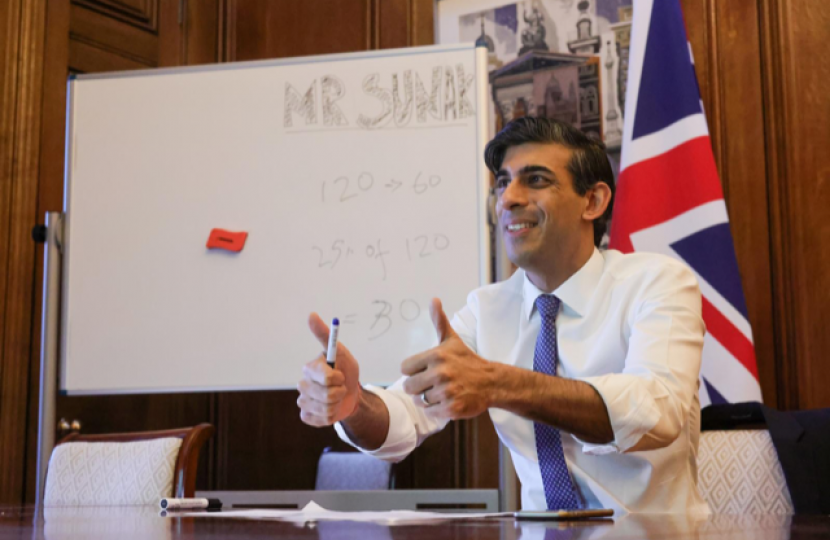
130,129
49,347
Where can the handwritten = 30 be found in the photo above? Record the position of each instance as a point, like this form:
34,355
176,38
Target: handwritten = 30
384,315
408,310
344,188
417,247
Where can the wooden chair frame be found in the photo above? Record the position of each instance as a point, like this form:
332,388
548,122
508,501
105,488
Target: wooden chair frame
187,461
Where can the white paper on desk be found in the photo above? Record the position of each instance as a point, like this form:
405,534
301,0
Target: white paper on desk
314,512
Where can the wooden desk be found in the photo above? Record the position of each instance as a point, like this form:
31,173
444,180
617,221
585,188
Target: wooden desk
127,523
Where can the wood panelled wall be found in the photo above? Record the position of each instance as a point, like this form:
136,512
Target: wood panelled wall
797,134
763,76
22,31
725,38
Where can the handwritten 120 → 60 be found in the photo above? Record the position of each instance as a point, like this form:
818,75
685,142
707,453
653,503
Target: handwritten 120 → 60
344,188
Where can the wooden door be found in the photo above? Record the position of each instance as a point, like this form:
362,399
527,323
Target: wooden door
89,36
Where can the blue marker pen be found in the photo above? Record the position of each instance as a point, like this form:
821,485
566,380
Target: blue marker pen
331,354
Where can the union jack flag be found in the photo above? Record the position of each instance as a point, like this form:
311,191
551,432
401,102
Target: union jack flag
669,197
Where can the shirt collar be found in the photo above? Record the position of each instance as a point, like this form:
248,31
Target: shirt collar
574,293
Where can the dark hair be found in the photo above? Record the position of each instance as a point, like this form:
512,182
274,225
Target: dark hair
589,163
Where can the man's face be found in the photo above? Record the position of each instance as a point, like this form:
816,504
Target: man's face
539,212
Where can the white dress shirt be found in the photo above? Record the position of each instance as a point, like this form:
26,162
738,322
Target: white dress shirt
631,327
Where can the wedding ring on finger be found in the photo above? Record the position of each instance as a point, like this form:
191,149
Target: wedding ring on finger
424,399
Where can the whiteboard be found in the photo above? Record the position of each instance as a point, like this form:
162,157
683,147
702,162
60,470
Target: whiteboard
359,179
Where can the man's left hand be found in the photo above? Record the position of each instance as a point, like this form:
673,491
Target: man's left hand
455,382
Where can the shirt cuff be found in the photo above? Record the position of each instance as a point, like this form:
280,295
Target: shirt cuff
631,410
401,438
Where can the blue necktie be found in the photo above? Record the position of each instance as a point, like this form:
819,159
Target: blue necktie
559,489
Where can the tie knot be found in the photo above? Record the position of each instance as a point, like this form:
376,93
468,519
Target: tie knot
548,305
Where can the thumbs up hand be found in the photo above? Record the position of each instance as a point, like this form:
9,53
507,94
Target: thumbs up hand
328,395
441,322
450,379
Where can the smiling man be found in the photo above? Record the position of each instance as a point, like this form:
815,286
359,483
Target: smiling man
587,361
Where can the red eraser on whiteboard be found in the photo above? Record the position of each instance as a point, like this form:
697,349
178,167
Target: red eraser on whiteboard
222,239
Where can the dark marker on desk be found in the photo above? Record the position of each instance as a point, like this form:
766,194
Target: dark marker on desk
170,503
563,515
331,354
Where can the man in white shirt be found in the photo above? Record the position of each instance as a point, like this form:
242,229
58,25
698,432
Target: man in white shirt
618,412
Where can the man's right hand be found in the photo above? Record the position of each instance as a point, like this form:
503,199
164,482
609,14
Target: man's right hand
328,395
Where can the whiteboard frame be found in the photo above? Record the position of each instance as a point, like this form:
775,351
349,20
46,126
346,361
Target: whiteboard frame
483,185
229,66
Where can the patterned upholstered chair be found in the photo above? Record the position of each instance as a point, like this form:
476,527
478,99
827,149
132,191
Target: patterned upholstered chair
126,468
352,471
739,473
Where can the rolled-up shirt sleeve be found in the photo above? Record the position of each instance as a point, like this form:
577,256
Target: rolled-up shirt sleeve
650,400
409,424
